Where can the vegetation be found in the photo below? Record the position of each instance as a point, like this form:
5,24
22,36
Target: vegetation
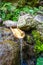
28,2
38,41
40,61
9,11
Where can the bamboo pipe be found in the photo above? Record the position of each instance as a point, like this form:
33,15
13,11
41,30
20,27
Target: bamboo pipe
17,33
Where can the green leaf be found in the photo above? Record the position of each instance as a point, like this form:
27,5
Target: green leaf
39,61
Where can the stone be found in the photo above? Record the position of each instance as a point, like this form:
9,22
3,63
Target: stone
9,23
41,3
39,18
40,28
26,22
29,39
30,62
31,50
1,22
28,51
22,13
9,53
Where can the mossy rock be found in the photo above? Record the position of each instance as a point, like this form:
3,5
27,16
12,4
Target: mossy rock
9,53
38,41
29,39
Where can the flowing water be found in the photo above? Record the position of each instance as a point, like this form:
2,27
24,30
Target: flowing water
0,36
21,53
22,61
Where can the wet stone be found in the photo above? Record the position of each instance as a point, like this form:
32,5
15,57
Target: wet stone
9,50
30,62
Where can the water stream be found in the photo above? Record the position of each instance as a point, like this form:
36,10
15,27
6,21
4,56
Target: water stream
0,36
22,61
21,53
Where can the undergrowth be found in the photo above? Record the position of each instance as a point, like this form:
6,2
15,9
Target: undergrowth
9,12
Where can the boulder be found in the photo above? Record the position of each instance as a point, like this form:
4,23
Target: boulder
5,34
9,53
39,18
29,39
9,23
26,22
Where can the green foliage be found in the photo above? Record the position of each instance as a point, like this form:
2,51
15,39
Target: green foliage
39,61
28,2
38,43
30,10
9,12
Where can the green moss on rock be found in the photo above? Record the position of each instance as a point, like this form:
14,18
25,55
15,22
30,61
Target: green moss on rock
38,41
29,39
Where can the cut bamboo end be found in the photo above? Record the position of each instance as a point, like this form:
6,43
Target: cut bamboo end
17,33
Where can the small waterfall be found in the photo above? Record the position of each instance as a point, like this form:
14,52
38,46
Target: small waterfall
22,61
21,53
0,36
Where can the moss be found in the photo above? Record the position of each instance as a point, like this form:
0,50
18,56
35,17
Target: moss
29,39
38,41
36,34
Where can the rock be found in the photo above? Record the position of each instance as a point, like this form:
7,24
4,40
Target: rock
22,13
9,53
40,12
28,51
39,18
9,23
26,22
1,22
31,50
6,31
40,28
6,34
30,62
41,3
29,39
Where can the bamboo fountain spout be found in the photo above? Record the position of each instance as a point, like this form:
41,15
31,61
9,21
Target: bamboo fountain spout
20,35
